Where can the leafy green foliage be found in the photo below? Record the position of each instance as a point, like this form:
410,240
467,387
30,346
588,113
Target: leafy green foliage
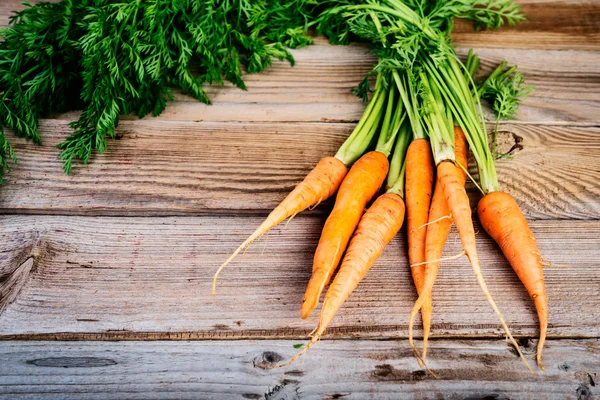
505,93
38,62
112,57
485,14
412,39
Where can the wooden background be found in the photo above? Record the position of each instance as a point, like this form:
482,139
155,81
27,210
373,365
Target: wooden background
105,274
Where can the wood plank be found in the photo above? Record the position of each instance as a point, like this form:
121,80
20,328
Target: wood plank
567,84
335,369
150,278
318,88
551,24
170,168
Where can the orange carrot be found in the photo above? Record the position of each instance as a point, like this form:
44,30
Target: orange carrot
419,185
360,185
376,229
452,184
503,220
438,229
320,184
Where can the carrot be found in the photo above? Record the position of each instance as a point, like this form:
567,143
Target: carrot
453,186
438,229
324,180
358,188
419,185
320,184
503,220
360,185
376,229
443,103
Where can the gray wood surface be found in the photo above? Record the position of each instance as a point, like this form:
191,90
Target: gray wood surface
125,248
127,278
335,369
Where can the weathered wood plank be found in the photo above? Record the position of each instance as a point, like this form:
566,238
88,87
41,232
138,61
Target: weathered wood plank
150,278
551,24
567,83
335,369
169,168
318,88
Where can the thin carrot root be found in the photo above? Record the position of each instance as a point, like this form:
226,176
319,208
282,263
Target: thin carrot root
458,201
313,340
321,183
289,220
436,221
315,206
265,244
547,263
454,257
422,363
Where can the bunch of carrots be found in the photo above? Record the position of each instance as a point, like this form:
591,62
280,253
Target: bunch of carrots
413,140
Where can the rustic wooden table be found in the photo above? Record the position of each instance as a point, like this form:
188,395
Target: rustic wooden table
105,275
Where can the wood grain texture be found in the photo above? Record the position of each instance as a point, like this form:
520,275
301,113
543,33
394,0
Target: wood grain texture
550,25
171,168
150,278
334,369
318,87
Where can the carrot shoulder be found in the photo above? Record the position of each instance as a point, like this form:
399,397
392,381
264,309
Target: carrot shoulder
419,187
360,185
503,220
320,184
376,229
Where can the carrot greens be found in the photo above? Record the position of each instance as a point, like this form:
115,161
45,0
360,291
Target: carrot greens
111,57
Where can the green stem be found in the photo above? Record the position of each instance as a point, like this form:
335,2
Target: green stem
472,63
493,75
452,84
362,135
395,179
435,116
387,119
409,97
495,139
391,127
